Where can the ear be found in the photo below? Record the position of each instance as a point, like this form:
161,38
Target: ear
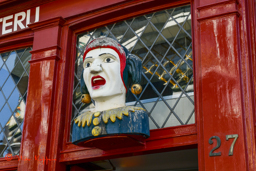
83,87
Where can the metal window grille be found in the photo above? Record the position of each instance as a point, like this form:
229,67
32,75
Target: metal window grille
163,41
14,72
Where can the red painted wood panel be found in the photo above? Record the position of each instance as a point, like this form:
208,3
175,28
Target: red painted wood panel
209,2
166,139
17,40
223,100
37,127
37,121
67,8
251,11
11,163
158,146
223,82
247,84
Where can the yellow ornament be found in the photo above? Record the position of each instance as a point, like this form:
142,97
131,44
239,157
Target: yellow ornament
97,114
96,131
85,98
96,121
136,89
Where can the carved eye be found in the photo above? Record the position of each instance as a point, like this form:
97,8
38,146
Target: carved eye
108,60
87,64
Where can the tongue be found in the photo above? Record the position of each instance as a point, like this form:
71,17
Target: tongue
98,83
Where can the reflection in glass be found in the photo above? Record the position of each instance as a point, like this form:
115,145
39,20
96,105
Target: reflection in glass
163,42
14,71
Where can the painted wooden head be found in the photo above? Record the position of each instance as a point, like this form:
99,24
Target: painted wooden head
108,69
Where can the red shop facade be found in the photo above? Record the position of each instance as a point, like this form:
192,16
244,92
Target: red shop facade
199,76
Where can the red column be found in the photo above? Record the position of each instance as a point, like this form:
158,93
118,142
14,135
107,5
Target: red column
224,103
37,152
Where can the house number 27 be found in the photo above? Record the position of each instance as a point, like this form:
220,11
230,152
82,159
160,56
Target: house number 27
231,150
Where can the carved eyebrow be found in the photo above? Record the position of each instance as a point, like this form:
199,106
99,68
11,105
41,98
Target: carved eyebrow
88,57
106,54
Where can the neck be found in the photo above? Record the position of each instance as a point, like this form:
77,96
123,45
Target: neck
106,103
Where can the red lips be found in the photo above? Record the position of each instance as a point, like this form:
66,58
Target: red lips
97,82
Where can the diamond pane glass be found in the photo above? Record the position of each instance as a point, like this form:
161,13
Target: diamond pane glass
14,72
162,40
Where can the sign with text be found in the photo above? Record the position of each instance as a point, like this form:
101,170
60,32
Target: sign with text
19,20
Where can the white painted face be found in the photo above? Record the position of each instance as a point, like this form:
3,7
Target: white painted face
102,73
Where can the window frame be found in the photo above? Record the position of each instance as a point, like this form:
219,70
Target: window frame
10,42
171,138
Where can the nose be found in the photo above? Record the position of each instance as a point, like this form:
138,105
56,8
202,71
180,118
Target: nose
95,67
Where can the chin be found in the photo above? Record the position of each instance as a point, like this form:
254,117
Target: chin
104,95
97,94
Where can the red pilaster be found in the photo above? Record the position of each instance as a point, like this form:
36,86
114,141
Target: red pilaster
224,103
38,124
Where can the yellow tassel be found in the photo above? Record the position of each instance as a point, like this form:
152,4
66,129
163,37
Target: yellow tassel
136,89
85,98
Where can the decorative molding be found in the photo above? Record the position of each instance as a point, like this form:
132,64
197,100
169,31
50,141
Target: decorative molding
218,15
175,131
216,4
76,21
216,10
48,53
11,164
5,2
15,46
26,40
58,21
93,154
74,149
7,6
15,33
45,49
17,40
44,59
187,132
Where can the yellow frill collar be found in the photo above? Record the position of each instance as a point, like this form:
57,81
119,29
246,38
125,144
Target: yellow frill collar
86,117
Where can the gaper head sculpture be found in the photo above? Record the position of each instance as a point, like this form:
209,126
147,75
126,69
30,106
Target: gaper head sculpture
109,69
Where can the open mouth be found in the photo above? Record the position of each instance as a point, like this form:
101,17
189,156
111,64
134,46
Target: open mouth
97,82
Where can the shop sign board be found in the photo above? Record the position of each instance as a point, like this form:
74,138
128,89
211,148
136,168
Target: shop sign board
18,21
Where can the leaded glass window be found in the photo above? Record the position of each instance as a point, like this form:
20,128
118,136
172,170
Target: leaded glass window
162,40
14,72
